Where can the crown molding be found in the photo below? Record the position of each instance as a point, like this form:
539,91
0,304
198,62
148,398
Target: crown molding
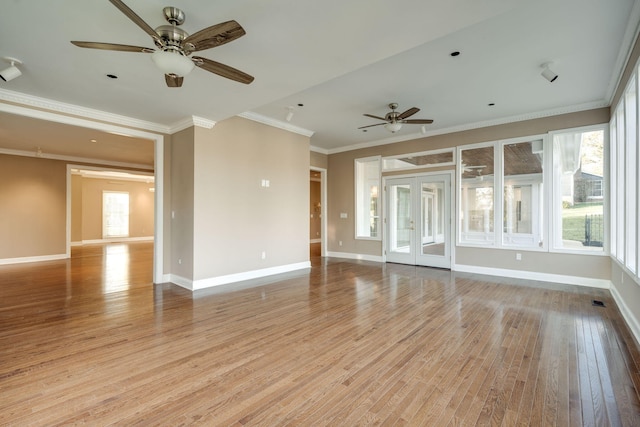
192,121
75,159
74,110
476,125
318,149
276,123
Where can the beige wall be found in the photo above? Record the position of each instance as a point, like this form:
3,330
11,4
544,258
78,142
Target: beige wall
32,207
180,216
318,160
76,208
86,207
342,199
236,219
592,267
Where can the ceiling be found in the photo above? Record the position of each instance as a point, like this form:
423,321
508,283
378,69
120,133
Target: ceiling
338,59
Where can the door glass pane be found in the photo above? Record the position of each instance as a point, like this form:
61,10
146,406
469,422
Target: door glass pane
433,216
400,217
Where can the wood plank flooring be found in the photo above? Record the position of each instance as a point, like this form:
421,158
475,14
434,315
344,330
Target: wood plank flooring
91,341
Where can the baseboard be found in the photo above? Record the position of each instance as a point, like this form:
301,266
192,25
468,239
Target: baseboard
210,282
349,255
40,258
532,275
180,281
117,240
632,322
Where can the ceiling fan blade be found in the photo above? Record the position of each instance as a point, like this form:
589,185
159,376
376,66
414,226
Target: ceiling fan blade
378,124
173,80
137,20
375,117
113,46
410,112
418,121
213,36
222,70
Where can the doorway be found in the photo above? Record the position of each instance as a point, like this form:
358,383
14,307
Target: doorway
317,212
418,220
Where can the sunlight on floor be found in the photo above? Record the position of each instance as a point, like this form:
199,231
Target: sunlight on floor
116,268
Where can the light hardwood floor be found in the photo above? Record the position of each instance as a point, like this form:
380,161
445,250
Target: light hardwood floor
91,340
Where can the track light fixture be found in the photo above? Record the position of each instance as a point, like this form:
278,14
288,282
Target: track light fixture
547,73
11,72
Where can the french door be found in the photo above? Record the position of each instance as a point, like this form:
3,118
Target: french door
418,220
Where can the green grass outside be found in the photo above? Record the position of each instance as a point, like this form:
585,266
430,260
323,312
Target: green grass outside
573,219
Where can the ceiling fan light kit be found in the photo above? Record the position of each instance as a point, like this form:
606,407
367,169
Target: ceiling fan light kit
393,127
170,62
174,45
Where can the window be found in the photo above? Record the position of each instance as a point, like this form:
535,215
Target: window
523,195
561,174
476,196
115,214
578,206
624,162
367,198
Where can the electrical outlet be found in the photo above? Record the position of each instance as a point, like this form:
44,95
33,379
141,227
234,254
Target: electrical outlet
340,243
264,255
518,256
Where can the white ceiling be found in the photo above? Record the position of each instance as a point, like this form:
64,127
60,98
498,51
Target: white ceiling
340,59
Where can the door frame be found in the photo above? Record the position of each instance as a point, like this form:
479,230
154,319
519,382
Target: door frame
452,209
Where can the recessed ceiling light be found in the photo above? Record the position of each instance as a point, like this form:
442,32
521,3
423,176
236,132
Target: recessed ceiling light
300,105
112,76
491,104
455,53
94,140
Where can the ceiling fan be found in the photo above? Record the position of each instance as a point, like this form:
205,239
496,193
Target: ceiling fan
174,45
393,120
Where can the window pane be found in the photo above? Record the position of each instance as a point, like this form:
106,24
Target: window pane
578,163
613,144
523,194
618,178
630,176
418,160
367,198
115,214
476,194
